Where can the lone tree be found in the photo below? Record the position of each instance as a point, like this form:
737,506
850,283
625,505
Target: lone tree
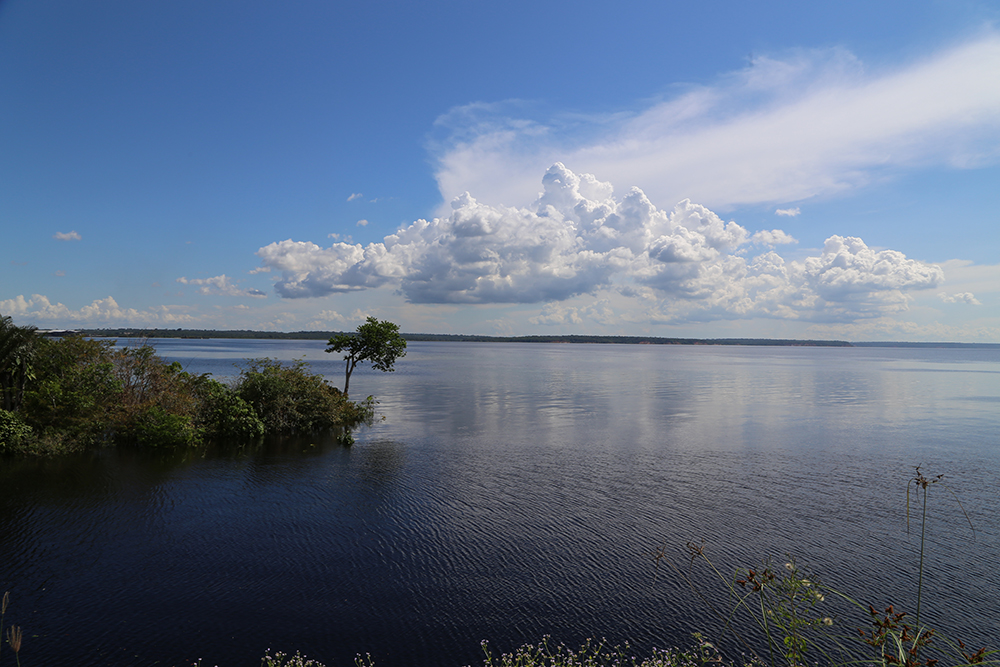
376,342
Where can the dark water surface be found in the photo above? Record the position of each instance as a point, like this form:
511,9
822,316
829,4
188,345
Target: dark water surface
514,491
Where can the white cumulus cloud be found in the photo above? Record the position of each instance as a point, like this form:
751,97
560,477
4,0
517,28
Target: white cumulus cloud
961,297
67,236
772,237
578,238
100,312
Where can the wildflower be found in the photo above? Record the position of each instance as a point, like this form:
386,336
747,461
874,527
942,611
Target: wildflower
790,567
820,597
827,621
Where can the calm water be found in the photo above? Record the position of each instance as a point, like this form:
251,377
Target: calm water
514,491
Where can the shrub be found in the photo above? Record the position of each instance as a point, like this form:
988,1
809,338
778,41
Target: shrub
17,352
13,431
89,392
158,428
290,399
225,415
75,390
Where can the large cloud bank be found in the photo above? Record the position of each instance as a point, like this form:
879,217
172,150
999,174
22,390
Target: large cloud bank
577,238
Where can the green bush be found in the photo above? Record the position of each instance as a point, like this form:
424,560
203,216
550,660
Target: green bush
290,399
225,415
13,431
75,391
17,356
158,428
86,392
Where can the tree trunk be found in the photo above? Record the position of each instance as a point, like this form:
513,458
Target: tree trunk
347,379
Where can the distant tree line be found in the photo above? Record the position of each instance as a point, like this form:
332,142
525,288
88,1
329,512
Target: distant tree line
458,338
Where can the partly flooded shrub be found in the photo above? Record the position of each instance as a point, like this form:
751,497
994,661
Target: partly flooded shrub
13,431
288,398
74,392
224,415
88,392
156,427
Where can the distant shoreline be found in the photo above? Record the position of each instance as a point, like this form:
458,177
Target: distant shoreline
470,338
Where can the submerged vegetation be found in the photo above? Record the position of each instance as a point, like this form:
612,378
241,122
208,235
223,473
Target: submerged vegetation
72,393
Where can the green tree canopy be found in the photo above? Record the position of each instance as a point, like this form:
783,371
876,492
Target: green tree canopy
378,343
17,352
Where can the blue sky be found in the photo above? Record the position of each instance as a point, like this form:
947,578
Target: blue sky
714,169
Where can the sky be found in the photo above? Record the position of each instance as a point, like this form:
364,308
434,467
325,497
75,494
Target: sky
821,170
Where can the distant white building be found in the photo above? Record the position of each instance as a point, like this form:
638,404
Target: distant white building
58,333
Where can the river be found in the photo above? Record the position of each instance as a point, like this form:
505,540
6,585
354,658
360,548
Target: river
515,491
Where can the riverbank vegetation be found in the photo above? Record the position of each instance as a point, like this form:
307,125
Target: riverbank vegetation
73,393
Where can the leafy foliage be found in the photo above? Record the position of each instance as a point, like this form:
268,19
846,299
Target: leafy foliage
290,399
156,406
223,414
17,353
85,392
13,431
75,391
378,343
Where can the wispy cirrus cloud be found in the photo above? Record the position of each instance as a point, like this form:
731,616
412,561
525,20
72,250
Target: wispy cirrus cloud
222,284
782,130
67,236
